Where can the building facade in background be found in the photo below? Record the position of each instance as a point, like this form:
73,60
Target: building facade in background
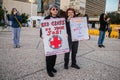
23,6
95,7
119,7
43,6
40,6
82,6
1,3
78,5
57,2
90,7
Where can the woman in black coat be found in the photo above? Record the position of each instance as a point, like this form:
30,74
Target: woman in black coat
103,28
73,45
51,60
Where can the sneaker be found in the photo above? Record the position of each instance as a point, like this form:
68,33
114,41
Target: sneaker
50,74
103,46
18,46
65,67
54,70
75,66
100,46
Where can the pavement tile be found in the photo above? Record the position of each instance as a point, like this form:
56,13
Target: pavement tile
28,62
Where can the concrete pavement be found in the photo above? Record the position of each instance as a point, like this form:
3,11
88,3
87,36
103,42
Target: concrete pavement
28,62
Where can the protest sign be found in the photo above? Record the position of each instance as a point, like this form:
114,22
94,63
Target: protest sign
54,36
79,28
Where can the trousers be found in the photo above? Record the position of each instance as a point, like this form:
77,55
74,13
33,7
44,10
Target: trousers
73,48
101,37
16,36
50,62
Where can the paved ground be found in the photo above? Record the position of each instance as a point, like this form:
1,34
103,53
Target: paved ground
28,62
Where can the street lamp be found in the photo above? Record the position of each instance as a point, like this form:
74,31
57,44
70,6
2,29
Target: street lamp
32,1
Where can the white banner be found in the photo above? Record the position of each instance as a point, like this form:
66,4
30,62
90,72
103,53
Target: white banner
54,36
79,28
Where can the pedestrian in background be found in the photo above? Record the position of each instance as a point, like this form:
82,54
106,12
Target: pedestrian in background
109,30
103,28
51,60
16,19
73,45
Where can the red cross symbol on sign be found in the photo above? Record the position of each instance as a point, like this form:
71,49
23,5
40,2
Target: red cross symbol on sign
55,42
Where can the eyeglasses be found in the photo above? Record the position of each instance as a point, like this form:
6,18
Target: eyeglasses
54,9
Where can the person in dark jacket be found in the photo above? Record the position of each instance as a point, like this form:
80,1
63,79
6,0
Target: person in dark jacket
73,45
51,60
103,28
16,27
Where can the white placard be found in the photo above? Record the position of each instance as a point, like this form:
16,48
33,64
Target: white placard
79,28
54,36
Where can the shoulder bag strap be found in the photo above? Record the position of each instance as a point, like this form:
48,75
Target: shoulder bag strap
18,22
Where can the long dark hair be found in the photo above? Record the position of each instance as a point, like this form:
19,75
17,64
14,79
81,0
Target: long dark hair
102,17
86,17
12,11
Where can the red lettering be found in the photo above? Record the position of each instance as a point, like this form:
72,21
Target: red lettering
62,22
47,29
55,23
44,24
53,32
49,33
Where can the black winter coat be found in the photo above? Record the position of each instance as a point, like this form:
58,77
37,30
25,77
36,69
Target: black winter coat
103,25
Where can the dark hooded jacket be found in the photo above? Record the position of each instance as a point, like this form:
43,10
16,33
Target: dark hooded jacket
103,23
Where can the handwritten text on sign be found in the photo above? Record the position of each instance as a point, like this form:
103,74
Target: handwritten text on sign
79,28
54,36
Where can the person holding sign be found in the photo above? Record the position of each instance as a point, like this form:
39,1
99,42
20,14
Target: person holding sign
51,60
16,20
73,45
